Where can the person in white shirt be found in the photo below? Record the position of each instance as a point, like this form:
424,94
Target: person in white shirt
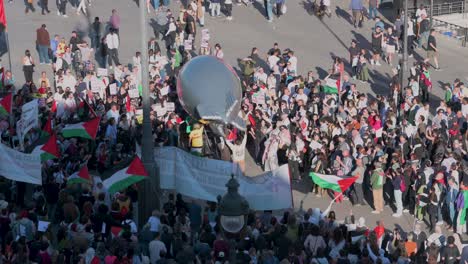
137,59
153,222
420,12
238,151
155,248
112,41
260,76
86,51
273,60
218,52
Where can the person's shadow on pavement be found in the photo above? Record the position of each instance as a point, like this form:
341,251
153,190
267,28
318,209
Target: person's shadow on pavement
344,14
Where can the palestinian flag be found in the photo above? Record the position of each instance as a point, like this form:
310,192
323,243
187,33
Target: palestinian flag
50,149
86,130
47,129
122,179
53,108
337,184
465,207
81,176
331,86
5,105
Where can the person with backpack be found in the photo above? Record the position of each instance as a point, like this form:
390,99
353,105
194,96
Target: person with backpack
425,83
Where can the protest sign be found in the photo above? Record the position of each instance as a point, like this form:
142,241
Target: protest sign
19,166
101,72
258,98
42,226
170,106
205,179
133,93
113,88
96,85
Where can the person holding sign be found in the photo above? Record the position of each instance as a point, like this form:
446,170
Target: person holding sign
238,151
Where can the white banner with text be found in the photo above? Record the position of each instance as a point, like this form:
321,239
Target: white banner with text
205,179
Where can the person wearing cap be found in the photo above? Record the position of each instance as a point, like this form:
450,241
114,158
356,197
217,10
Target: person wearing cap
377,181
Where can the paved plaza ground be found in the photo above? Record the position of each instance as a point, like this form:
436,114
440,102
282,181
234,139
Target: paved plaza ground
314,42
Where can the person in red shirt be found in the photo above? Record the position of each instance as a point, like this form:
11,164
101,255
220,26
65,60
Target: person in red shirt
220,247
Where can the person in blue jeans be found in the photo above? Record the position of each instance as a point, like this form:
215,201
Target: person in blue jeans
269,9
450,199
279,7
156,5
373,5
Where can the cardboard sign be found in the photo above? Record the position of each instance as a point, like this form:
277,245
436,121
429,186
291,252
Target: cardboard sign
133,93
160,111
101,72
170,106
113,89
42,226
258,98
164,90
96,85
188,44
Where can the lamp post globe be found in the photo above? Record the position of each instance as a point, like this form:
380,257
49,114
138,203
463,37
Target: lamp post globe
233,208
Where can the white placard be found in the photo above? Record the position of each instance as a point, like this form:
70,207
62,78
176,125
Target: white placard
258,98
139,112
204,178
160,111
103,228
164,90
101,72
170,106
42,226
133,93
96,85
188,44
20,166
113,88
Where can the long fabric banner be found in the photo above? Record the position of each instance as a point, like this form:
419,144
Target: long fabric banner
205,179
19,166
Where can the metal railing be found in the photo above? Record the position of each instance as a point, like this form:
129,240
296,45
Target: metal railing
450,30
443,8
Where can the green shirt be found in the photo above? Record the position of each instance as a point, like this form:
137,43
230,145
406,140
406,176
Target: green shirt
377,179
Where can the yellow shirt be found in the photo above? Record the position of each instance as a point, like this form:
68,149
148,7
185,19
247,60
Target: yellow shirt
196,138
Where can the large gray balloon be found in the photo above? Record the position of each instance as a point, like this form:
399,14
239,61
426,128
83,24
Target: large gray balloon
209,89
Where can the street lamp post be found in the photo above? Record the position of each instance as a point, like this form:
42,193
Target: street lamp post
404,63
233,209
149,196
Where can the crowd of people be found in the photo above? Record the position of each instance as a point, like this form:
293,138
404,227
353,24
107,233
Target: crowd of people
406,149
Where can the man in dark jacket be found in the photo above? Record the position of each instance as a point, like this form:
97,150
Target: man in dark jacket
43,44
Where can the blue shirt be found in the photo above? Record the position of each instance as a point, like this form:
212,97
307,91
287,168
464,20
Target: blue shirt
53,45
356,5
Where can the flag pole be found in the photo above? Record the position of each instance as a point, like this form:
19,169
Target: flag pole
8,49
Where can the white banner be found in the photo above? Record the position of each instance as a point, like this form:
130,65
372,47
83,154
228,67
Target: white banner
20,166
29,118
205,179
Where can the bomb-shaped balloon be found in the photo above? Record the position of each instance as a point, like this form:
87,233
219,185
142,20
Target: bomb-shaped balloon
210,90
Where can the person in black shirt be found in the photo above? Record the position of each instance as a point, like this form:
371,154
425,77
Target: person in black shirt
95,40
74,41
376,46
423,30
354,56
432,51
